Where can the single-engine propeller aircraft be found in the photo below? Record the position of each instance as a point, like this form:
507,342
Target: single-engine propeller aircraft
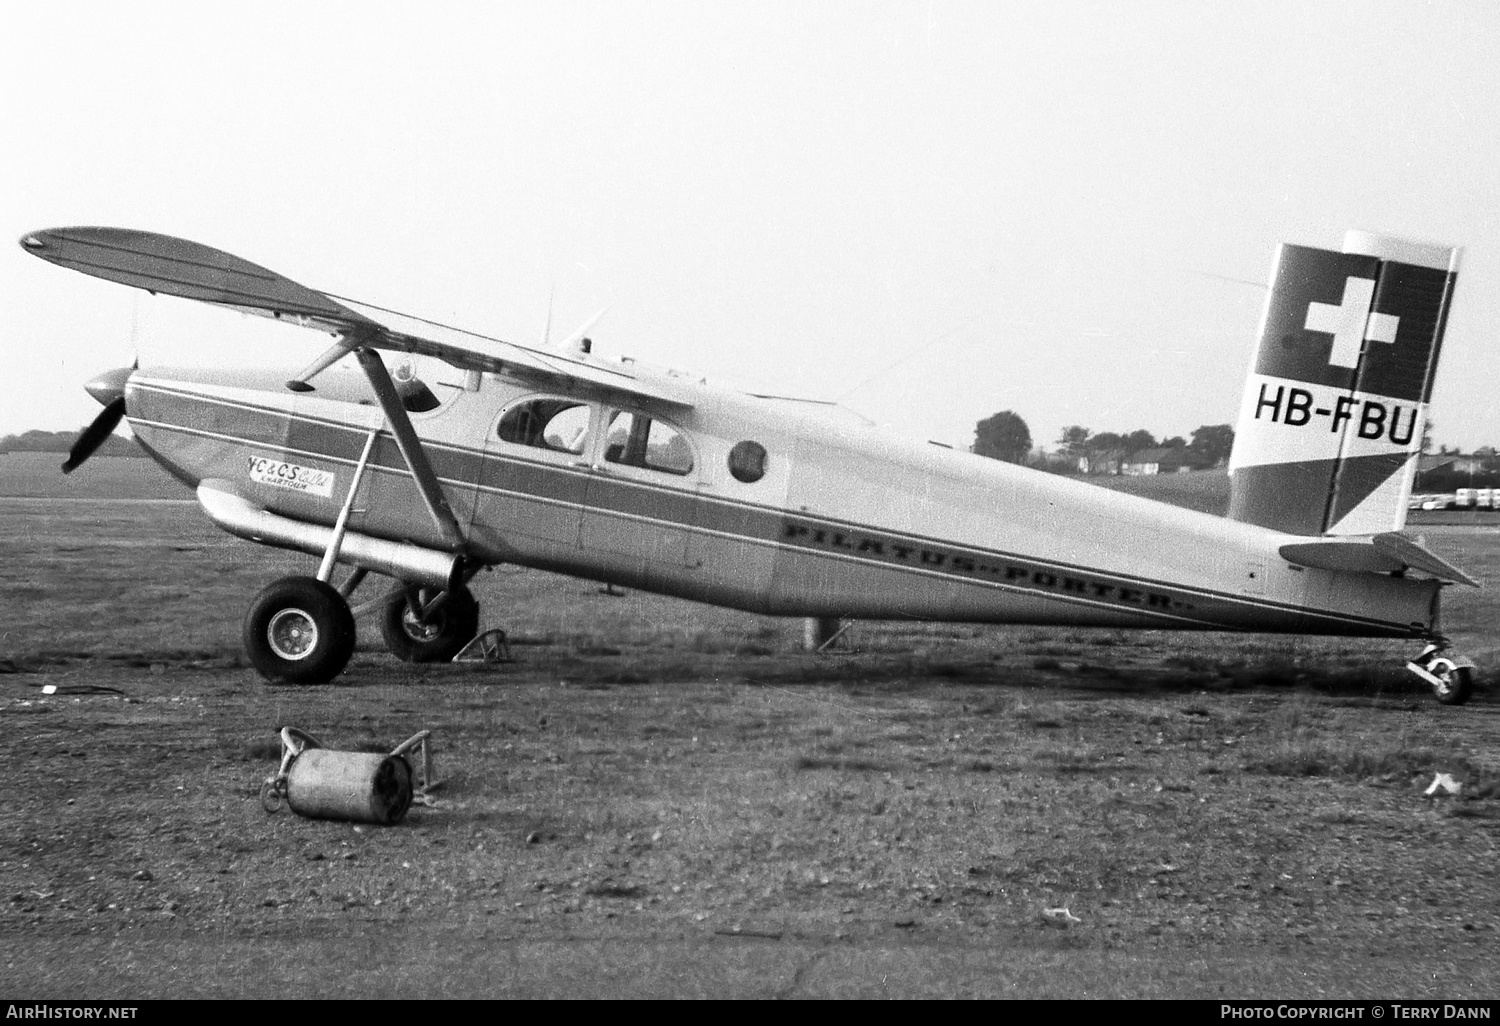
612,470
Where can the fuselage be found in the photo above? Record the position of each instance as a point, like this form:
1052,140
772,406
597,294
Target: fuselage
843,519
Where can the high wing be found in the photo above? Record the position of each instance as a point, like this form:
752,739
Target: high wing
191,270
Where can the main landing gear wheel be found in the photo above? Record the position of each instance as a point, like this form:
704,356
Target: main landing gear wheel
1452,681
299,630
437,638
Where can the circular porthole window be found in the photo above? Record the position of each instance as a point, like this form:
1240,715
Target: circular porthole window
747,461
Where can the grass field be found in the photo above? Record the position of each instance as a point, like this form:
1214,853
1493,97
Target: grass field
37,475
658,798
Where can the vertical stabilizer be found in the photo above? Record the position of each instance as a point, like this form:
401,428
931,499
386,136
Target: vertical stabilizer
1331,421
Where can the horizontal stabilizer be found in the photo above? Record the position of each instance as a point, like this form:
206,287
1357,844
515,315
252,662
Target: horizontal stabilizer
1377,554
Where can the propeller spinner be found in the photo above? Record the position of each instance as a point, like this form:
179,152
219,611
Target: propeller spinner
109,389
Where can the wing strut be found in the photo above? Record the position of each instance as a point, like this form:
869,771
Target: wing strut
411,447
335,353
330,557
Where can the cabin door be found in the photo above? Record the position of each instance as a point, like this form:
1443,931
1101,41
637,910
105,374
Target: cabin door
534,476
642,493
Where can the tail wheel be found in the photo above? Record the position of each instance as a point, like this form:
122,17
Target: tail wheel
299,631
439,636
1455,683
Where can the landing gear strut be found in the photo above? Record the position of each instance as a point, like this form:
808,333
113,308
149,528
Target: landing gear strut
421,625
1452,680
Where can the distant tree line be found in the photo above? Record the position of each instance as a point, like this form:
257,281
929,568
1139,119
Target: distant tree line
1479,470
62,441
1448,479
1005,436
1078,450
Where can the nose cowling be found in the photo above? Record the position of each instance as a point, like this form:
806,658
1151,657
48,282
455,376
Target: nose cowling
109,386
109,389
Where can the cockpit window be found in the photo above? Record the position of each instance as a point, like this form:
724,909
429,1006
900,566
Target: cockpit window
635,440
558,424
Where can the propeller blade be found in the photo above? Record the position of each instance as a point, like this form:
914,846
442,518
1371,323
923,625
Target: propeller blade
94,435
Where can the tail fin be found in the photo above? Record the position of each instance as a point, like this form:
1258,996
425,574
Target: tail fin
1331,421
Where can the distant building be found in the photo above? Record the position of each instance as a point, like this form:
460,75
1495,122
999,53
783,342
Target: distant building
1467,464
1446,472
1107,461
1157,461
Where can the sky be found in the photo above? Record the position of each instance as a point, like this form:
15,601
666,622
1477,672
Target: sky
928,211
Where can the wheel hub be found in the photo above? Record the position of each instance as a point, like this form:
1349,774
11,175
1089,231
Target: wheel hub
292,634
418,629
1442,669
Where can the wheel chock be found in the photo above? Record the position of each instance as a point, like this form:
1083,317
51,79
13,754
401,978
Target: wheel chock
489,647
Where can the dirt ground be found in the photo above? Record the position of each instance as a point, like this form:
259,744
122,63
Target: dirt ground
659,799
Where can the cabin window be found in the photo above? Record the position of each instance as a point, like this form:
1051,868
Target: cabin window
561,425
635,440
747,461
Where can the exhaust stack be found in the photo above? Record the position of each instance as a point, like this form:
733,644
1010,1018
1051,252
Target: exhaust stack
401,560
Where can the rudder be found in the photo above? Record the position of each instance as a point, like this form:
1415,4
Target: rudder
1330,425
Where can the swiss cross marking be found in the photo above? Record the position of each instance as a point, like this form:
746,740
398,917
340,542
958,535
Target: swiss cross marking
1351,323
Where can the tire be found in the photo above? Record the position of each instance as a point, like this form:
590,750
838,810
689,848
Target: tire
451,626
299,631
1457,682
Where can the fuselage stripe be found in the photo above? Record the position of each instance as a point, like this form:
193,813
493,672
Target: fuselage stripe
465,468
